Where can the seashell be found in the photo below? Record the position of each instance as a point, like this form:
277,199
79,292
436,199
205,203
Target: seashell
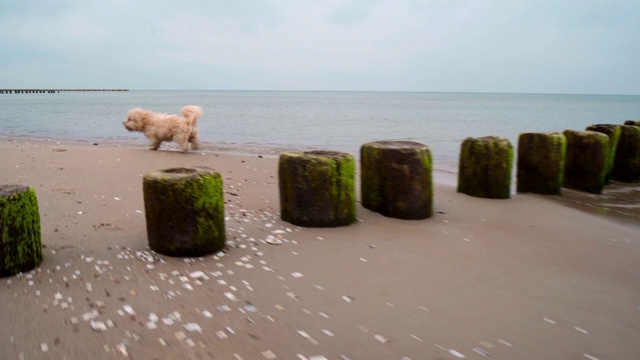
273,241
192,327
381,339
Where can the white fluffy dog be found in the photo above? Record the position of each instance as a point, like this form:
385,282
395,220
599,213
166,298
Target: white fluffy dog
163,127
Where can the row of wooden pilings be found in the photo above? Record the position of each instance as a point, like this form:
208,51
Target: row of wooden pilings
184,207
317,187
547,162
50,91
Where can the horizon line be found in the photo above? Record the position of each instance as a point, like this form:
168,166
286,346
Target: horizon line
70,89
394,91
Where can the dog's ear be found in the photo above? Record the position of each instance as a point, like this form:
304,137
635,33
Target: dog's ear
145,117
136,115
133,113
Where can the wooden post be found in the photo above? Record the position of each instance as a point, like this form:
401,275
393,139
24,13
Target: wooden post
317,188
20,236
396,179
586,161
613,132
626,165
184,210
485,167
540,164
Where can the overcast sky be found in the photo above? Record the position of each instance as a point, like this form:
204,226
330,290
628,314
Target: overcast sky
530,46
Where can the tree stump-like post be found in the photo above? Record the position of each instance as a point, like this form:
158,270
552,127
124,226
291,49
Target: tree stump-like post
626,165
613,132
586,161
485,167
317,188
184,210
396,179
540,165
20,235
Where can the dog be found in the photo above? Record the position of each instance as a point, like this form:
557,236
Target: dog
159,127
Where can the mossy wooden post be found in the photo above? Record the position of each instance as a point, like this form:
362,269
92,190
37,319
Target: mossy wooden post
20,236
396,179
613,132
586,161
626,165
317,188
485,167
540,165
184,209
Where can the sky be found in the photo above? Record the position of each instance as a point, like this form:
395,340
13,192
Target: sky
519,46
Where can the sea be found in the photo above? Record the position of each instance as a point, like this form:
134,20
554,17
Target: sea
271,122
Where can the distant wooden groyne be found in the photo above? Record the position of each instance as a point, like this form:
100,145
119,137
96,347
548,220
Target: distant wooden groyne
50,91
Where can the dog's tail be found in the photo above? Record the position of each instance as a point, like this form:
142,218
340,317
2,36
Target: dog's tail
192,113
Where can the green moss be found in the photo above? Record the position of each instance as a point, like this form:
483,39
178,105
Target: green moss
586,160
485,167
613,132
427,171
209,206
20,235
184,211
396,179
317,188
343,190
540,166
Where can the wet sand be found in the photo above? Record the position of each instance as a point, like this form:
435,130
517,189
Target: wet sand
532,277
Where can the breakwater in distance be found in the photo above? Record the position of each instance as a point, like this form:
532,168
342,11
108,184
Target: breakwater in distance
50,91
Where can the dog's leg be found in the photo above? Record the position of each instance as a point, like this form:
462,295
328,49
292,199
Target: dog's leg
183,141
195,142
155,144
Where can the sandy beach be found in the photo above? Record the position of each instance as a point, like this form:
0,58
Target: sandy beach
531,277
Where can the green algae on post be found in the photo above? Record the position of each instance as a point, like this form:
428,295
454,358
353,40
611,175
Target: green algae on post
586,160
317,188
540,165
613,132
20,235
485,167
184,210
626,165
396,179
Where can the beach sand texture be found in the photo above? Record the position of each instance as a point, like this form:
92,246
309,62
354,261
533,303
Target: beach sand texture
532,277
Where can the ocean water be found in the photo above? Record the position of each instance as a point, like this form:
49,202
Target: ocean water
273,121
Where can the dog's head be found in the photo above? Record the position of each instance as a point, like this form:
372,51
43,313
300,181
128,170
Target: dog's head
136,119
